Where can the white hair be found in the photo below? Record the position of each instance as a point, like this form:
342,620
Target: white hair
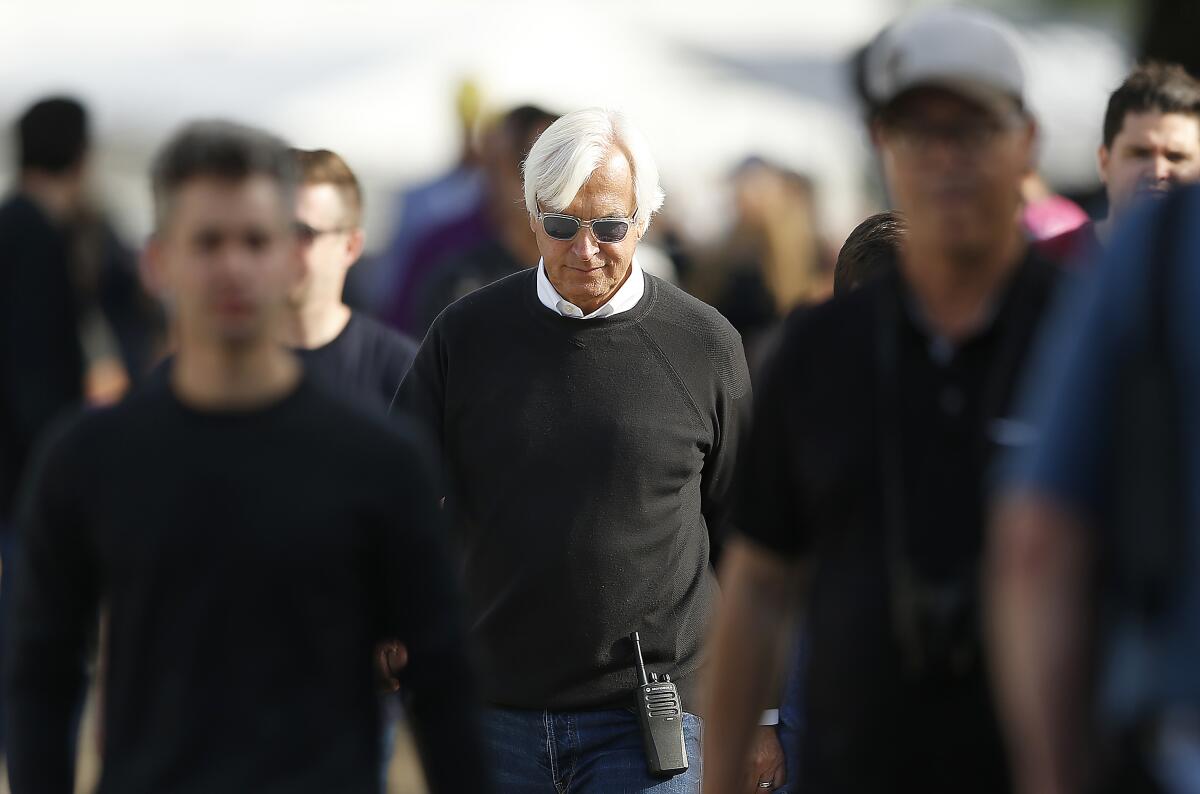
565,155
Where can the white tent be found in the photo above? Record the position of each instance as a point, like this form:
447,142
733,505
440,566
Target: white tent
375,80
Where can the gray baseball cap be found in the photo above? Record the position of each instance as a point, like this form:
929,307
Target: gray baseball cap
971,53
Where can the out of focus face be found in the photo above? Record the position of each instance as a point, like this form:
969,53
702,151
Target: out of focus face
227,257
954,169
1152,153
329,244
585,271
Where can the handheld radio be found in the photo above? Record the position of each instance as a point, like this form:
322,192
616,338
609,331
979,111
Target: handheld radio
660,713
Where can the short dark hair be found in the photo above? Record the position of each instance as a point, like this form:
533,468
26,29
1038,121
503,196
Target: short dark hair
223,150
52,135
523,125
871,250
323,167
1152,86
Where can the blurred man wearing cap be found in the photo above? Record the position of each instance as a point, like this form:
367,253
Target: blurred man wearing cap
863,486
1151,144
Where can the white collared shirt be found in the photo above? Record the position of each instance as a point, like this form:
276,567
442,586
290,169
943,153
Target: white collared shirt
625,298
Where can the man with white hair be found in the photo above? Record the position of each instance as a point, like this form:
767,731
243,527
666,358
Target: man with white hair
590,416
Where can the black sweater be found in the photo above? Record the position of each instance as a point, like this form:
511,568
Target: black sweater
41,360
589,461
249,562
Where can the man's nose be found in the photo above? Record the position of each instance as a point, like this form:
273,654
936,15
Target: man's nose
1164,169
584,245
233,261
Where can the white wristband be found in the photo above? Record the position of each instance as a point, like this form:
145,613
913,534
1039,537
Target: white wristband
769,717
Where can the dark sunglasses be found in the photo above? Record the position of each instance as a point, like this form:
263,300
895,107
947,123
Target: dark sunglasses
565,227
307,234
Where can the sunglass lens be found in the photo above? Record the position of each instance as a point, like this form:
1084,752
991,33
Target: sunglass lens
560,228
305,233
610,231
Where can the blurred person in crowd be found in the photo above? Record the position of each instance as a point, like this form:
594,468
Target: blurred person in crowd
41,355
42,362
351,352
122,329
872,250
1151,143
251,536
1095,557
588,510
511,245
773,259
863,490
438,219
1046,214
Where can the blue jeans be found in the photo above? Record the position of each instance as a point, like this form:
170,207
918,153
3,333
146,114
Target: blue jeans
580,752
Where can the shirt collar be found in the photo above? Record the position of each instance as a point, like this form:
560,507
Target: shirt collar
626,297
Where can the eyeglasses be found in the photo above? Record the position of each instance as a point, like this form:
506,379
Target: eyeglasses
565,227
972,135
307,234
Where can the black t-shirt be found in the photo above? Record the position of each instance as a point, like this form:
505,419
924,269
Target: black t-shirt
589,461
248,562
41,359
365,362
815,488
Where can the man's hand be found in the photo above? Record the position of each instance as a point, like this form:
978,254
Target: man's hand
766,761
392,657
749,651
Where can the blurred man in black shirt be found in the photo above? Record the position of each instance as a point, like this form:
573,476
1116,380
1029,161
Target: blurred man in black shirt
41,359
510,245
41,355
251,536
874,426
352,353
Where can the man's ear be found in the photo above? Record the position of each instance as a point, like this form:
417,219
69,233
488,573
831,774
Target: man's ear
533,224
152,268
355,243
875,127
1033,145
1102,158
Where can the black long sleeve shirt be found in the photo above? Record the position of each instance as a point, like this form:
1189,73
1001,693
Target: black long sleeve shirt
41,358
249,563
588,462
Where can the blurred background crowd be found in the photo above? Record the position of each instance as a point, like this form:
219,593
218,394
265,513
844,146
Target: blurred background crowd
752,111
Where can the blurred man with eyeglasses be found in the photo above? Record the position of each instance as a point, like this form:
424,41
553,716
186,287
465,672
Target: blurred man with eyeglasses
357,355
874,425
590,416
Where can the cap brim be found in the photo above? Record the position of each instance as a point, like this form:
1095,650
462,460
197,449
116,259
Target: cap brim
994,100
